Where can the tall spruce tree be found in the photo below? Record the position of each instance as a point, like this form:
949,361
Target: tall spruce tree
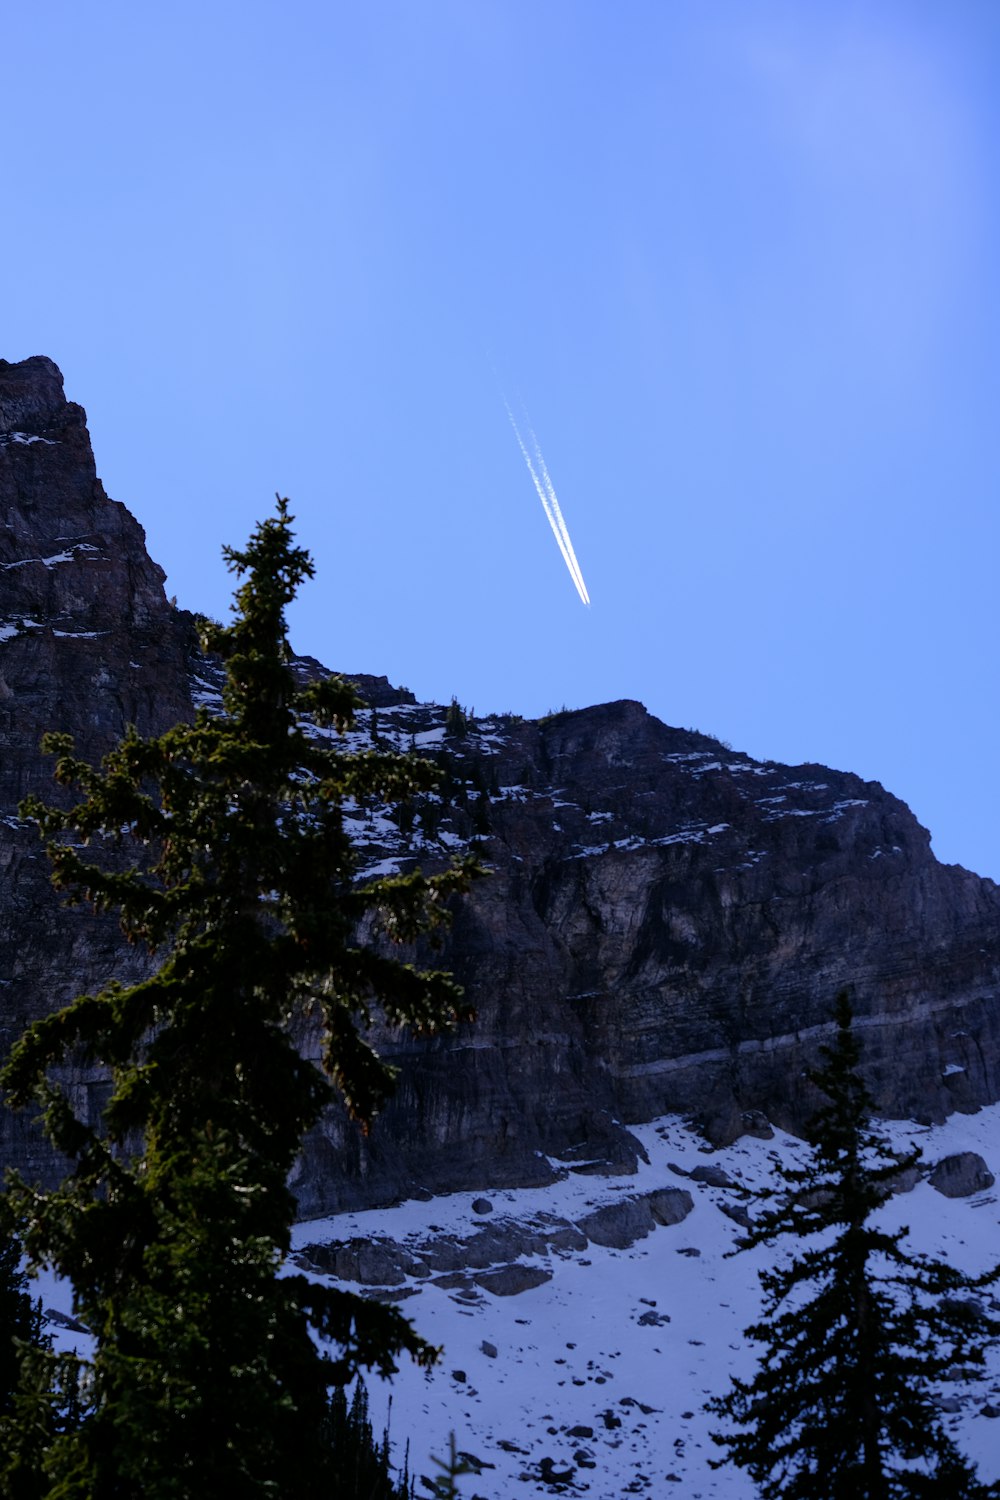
175,1220
20,1318
856,1329
364,1471
33,1410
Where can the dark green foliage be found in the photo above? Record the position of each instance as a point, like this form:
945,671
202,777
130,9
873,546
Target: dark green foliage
29,1405
455,720
482,822
856,1329
430,817
405,816
362,1465
176,1216
20,1319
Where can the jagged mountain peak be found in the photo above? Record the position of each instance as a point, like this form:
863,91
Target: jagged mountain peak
32,398
666,923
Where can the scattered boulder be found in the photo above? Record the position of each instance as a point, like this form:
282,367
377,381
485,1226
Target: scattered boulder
549,1474
510,1281
482,1206
906,1178
669,1205
712,1177
961,1175
619,1225
757,1124
475,1463
490,1350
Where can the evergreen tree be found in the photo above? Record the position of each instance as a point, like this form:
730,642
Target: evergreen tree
482,822
175,1220
443,1486
363,1468
31,1411
20,1319
856,1329
456,721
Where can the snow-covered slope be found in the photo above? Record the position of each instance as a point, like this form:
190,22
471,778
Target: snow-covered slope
604,1369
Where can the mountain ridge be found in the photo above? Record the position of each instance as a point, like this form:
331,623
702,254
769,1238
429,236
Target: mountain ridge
664,930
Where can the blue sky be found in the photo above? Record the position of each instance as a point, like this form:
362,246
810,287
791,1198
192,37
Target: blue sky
739,262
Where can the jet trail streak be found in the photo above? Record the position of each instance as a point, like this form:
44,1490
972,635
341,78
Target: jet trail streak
574,566
545,490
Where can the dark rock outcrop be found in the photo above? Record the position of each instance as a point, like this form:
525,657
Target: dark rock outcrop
493,1257
961,1175
666,924
619,1225
89,643
511,1281
665,928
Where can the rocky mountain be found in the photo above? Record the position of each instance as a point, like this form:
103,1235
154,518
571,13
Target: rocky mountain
666,923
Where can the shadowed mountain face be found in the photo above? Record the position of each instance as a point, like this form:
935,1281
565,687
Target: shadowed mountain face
666,923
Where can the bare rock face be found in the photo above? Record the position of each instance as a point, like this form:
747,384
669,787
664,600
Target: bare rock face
665,926
88,643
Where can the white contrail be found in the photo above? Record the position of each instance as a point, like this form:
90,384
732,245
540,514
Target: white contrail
574,566
547,495
555,520
543,497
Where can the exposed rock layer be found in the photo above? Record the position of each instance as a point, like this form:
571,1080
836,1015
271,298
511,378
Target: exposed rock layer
666,923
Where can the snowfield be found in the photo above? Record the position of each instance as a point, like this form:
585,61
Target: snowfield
594,1382
605,1368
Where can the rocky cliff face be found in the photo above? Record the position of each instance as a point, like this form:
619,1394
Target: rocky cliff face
666,923
665,928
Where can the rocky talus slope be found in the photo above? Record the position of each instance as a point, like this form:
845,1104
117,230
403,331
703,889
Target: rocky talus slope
666,923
